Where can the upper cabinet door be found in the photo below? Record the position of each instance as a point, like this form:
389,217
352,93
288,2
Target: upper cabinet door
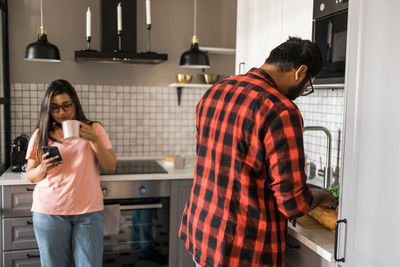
257,32
297,19
242,24
370,186
261,25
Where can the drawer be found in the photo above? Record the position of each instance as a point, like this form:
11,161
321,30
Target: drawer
18,234
26,258
17,200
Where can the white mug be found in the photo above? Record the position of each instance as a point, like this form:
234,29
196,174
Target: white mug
71,128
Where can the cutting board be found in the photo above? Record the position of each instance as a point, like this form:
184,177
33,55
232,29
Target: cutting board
308,222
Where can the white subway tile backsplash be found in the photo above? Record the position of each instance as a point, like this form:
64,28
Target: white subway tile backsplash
140,121
323,108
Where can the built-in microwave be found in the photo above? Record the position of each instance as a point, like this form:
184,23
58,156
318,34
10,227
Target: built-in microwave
330,34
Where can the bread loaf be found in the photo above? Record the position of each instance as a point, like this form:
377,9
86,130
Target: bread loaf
325,216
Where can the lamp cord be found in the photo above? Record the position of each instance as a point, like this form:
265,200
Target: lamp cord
41,13
195,16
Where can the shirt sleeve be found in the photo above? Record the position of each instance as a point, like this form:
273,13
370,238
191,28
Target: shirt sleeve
285,158
31,150
101,133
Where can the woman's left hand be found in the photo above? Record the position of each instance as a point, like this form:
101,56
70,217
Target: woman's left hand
87,132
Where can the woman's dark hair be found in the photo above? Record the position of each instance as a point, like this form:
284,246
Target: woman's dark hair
46,123
296,52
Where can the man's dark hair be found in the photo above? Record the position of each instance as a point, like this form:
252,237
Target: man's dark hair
296,52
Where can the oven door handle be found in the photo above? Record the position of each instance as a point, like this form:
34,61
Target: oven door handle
141,206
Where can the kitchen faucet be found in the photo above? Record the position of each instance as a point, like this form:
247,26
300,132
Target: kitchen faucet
328,167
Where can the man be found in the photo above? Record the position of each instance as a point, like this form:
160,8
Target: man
249,175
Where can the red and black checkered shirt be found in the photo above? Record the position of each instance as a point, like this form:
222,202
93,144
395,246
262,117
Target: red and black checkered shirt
249,176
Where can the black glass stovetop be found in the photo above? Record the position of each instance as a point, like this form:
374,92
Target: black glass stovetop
136,167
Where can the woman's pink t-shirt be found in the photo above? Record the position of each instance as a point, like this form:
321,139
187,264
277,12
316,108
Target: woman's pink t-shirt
72,187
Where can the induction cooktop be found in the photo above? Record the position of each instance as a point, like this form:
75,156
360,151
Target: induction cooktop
136,167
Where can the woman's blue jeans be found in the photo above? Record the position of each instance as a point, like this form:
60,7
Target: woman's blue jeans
65,240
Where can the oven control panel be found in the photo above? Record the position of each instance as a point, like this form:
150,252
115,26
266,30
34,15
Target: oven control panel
135,189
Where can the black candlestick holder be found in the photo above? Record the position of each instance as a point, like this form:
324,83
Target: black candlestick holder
119,43
88,39
148,51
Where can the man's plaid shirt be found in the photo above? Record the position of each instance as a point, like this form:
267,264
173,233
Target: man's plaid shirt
249,174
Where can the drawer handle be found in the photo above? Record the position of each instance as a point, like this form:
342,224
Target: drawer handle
293,246
29,222
32,256
29,189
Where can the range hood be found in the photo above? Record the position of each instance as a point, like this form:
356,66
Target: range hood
113,49
120,57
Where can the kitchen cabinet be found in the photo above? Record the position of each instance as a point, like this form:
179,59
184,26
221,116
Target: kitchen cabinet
261,25
257,32
18,246
180,193
370,182
297,19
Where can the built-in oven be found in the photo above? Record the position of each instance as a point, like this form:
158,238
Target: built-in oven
142,235
330,34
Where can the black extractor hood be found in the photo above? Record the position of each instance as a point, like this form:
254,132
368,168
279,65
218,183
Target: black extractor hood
121,48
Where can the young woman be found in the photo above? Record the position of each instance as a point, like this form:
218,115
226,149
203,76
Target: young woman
67,201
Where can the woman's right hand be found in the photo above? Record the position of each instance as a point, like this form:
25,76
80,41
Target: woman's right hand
35,172
49,163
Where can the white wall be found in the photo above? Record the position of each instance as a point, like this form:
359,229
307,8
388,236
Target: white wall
172,29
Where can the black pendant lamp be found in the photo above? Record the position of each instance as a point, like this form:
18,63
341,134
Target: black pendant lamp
42,50
194,58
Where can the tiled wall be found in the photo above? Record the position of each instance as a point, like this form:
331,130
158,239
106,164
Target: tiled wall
140,121
325,107
147,121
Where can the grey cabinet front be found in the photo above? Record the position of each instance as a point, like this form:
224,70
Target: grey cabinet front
17,200
26,258
180,193
18,234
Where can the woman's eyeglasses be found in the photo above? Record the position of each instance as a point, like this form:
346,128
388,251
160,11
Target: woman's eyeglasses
310,89
66,107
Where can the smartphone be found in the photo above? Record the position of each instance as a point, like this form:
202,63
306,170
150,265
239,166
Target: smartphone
53,151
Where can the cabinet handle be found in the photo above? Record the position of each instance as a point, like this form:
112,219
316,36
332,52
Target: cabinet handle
32,256
293,246
29,222
336,239
142,206
29,189
240,67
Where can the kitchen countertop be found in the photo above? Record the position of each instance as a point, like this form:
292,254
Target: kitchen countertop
15,178
320,240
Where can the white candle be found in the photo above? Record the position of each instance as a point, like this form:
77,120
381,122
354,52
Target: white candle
88,23
119,16
148,12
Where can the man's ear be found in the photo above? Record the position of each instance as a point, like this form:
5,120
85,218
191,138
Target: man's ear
300,72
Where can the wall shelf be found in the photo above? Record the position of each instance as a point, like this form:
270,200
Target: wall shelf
219,50
190,85
179,87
